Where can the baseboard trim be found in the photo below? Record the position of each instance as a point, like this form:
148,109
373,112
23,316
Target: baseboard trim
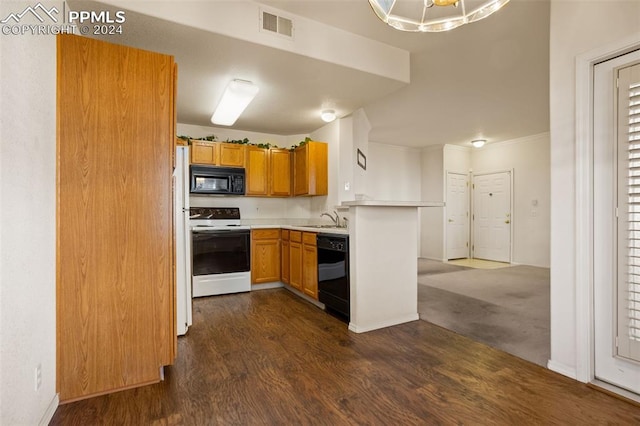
266,286
432,258
51,410
304,296
563,369
375,326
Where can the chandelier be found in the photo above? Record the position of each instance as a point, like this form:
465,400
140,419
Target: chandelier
433,15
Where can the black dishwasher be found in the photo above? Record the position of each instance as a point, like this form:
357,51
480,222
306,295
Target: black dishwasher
333,274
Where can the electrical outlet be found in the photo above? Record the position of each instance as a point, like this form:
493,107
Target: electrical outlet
38,377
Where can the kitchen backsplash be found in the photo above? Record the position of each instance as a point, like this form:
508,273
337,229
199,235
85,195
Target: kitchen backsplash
258,207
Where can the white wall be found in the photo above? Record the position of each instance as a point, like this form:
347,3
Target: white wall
312,38
457,159
394,172
361,129
222,134
431,219
27,225
576,27
529,159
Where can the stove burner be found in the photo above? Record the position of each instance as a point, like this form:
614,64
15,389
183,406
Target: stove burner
214,213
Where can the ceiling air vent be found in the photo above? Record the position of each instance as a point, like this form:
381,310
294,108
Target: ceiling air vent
277,24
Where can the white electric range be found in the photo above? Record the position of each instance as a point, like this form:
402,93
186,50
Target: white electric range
220,251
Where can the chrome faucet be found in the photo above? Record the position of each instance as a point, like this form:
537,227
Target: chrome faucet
336,220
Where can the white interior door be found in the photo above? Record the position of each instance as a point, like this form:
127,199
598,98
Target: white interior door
616,218
492,216
457,214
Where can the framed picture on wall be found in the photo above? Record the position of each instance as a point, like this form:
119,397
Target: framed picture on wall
362,160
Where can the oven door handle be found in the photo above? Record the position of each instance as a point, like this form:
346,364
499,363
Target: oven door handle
222,231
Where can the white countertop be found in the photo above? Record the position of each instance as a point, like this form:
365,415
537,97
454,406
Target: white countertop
292,224
379,203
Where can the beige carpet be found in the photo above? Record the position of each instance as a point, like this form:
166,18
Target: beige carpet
506,308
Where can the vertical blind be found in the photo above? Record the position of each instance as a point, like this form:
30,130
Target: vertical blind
633,213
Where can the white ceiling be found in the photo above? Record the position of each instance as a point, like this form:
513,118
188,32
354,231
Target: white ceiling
489,79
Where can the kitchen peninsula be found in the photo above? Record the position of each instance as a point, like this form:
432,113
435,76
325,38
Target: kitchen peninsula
383,262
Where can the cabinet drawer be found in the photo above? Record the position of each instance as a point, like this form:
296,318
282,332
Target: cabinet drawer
309,238
295,236
265,234
285,235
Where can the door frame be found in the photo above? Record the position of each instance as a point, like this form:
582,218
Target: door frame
473,209
584,156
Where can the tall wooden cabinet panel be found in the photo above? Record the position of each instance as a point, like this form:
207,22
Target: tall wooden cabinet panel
115,286
284,256
279,172
256,171
311,169
309,265
295,259
265,256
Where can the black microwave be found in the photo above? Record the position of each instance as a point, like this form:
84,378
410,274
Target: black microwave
217,180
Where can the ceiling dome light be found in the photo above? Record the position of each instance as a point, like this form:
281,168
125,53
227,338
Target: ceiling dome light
328,115
478,143
422,16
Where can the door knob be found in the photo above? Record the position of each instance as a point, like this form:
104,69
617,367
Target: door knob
507,221
450,220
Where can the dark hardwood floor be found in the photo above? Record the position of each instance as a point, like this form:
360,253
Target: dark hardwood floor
268,357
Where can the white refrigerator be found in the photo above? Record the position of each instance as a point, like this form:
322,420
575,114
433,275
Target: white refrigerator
182,241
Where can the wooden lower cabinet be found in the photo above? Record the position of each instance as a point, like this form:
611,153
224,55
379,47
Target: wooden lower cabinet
284,256
309,265
295,259
303,262
265,256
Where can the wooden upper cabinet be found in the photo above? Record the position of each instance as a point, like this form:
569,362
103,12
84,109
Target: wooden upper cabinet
232,155
217,153
115,290
268,171
279,172
311,169
204,152
256,171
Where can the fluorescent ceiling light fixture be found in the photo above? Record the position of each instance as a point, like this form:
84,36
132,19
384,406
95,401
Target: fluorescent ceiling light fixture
478,143
236,97
433,15
328,115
